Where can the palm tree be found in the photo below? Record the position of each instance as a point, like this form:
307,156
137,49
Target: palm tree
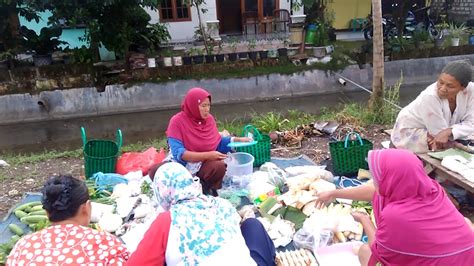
376,99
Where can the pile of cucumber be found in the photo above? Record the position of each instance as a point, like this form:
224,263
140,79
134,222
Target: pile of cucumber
31,214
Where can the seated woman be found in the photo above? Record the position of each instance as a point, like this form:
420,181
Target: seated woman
441,113
195,142
68,240
416,222
198,229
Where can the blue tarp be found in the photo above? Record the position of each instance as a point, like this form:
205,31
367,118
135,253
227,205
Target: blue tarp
5,233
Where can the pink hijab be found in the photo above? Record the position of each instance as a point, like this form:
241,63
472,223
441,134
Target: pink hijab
416,222
196,133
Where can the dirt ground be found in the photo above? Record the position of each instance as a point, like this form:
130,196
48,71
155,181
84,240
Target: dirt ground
29,177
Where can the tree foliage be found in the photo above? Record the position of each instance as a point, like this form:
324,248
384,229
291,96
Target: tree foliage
117,24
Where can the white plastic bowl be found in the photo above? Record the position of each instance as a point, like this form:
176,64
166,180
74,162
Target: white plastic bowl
239,164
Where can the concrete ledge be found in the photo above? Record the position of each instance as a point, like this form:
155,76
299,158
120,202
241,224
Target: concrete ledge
85,102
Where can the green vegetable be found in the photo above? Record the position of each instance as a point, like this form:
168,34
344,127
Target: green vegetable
28,205
15,239
16,229
33,219
20,214
36,208
42,212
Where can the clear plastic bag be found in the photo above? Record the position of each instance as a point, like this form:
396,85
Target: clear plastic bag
312,240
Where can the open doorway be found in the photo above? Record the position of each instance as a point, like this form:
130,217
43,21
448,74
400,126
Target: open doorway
230,16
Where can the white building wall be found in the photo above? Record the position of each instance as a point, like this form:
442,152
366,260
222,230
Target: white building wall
184,30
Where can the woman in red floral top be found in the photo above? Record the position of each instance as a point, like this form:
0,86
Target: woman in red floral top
68,240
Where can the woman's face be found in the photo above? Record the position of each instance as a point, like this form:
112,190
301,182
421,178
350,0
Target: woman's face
205,108
448,86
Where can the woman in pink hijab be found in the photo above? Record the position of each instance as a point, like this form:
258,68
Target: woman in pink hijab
195,142
416,222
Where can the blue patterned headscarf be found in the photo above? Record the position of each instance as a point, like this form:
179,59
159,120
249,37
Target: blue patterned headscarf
204,223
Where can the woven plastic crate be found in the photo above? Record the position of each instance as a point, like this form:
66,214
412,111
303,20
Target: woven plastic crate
100,155
349,156
261,150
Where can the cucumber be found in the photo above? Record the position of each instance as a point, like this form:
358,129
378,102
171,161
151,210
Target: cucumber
16,229
28,205
33,219
14,239
42,212
20,214
36,208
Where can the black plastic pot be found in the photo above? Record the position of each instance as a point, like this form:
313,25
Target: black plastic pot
232,57
210,59
187,60
263,54
243,56
253,55
198,59
220,58
283,52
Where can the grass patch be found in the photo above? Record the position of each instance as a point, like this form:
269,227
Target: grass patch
19,159
141,146
272,121
234,126
359,114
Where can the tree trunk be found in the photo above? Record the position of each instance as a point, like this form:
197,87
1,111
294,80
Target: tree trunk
202,28
376,99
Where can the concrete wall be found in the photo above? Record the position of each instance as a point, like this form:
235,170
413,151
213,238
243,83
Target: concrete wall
84,102
461,11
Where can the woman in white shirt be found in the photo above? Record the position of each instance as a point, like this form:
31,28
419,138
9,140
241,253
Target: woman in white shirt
443,112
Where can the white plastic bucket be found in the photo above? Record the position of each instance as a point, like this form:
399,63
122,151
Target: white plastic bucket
239,164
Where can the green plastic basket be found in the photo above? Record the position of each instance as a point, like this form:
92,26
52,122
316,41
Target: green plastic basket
100,155
261,150
349,156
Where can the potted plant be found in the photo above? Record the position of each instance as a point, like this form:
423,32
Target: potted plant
233,48
220,57
198,56
242,55
471,36
420,37
43,44
251,46
187,58
210,58
283,51
442,29
6,59
167,58
398,44
455,32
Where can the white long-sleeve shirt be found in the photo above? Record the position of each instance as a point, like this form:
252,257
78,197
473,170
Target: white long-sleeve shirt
431,113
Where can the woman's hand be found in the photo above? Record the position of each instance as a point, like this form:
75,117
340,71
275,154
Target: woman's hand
215,156
242,139
440,141
360,216
324,198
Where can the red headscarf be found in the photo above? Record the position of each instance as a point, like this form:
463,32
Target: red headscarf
196,133
416,221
